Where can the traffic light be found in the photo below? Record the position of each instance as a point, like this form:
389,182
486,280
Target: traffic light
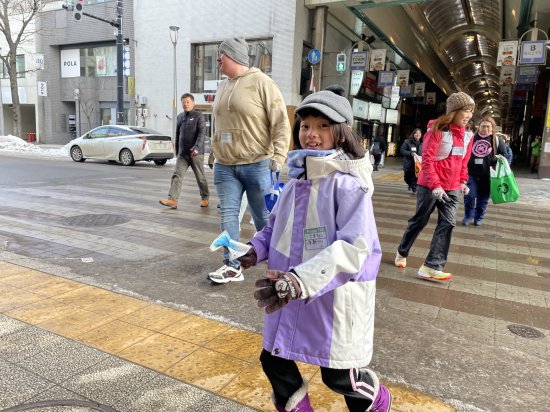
341,62
78,10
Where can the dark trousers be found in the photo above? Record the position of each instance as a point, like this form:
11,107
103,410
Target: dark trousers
285,379
377,159
446,221
476,202
410,179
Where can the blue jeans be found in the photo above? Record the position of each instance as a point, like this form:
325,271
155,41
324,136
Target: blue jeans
475,202
231,182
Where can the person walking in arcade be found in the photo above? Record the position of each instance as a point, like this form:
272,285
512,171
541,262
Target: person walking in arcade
444,174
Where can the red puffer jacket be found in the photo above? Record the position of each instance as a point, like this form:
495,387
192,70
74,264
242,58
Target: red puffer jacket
450,171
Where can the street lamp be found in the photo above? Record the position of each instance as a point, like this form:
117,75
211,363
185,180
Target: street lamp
174,39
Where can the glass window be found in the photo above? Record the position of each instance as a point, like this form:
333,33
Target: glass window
19,67
98,61
204,71
100,132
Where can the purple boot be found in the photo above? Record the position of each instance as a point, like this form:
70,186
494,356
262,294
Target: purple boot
298,402
382,396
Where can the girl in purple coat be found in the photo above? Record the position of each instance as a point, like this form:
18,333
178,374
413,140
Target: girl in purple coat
323,255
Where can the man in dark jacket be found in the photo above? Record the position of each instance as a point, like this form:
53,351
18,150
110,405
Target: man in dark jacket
189,141
411,150
377,149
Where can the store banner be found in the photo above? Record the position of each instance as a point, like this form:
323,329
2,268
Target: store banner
100,66
526,74
507,53
533,52
359,61
507,75
377,60
419,89
430,98
385,79
505,94
356,81
70,63
403,78
406,91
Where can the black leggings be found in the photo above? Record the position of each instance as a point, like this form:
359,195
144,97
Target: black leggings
357,386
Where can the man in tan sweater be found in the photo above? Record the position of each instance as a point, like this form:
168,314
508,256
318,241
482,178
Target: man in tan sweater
251,140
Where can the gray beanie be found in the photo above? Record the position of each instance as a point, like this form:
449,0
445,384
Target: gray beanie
336,108
458,101
236,49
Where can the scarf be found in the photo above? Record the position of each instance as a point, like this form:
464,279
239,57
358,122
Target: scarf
297,160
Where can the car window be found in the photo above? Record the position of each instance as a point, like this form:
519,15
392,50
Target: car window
115,132
99,132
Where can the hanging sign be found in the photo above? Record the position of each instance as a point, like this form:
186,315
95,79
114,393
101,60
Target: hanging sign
356,82
507,53
533,52
403,78
42,88
385,79
359,60
430,98
419,89
527,74
507,75
377,60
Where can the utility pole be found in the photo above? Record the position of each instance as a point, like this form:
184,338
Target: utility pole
119,68
117,24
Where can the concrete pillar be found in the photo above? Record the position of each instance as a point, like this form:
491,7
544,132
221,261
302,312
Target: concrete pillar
544,165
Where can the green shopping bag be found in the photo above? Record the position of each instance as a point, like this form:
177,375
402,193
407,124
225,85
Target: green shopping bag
504,188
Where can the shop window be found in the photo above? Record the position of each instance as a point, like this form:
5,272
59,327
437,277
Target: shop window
19,67
98,61
204,67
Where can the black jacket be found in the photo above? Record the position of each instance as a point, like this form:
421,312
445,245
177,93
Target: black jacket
409,147
192,130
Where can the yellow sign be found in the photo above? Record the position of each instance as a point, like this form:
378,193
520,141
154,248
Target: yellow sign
131,85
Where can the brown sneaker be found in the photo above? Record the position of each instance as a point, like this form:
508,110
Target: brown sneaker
204,203
169,203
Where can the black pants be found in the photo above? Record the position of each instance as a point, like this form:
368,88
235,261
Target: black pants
377,159
446,221
410,178
284,376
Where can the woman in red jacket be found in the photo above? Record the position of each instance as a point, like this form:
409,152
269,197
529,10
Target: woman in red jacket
445,154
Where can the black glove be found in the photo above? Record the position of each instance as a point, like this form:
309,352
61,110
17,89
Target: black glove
276,290
249,259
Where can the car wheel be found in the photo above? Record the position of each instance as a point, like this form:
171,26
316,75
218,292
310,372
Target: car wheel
76,154
126,157
160,162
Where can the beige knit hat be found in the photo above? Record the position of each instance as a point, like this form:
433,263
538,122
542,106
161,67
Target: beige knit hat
458,100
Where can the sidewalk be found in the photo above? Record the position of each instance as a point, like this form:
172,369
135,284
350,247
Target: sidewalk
65,343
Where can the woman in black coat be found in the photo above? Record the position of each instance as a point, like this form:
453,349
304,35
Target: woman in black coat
411,149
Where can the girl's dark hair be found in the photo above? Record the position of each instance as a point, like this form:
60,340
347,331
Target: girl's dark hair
344,137
411,136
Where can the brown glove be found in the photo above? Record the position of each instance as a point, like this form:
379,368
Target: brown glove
276,290
249,259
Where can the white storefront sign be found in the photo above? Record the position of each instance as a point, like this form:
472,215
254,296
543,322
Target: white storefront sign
70,63
42,88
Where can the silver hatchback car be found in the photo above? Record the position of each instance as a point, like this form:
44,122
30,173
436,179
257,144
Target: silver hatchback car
124,144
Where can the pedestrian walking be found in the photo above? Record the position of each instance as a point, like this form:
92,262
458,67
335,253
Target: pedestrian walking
411,150
323,253
444,174
535,154
487,144
377,149
251,140
189,141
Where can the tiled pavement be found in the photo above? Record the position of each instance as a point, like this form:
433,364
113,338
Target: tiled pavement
61,337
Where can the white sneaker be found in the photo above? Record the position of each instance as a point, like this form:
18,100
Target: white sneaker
226,274
400,261
428,273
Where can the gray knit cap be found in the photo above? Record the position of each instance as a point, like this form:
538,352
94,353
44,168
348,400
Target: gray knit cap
334,107
236,49
458,101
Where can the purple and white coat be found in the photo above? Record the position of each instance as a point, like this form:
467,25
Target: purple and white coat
323,227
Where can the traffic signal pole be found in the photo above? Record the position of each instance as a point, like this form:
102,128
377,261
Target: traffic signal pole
117,24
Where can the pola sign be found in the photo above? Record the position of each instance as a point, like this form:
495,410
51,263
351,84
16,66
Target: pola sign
70,63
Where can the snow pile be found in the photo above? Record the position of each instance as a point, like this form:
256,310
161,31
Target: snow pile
16,144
